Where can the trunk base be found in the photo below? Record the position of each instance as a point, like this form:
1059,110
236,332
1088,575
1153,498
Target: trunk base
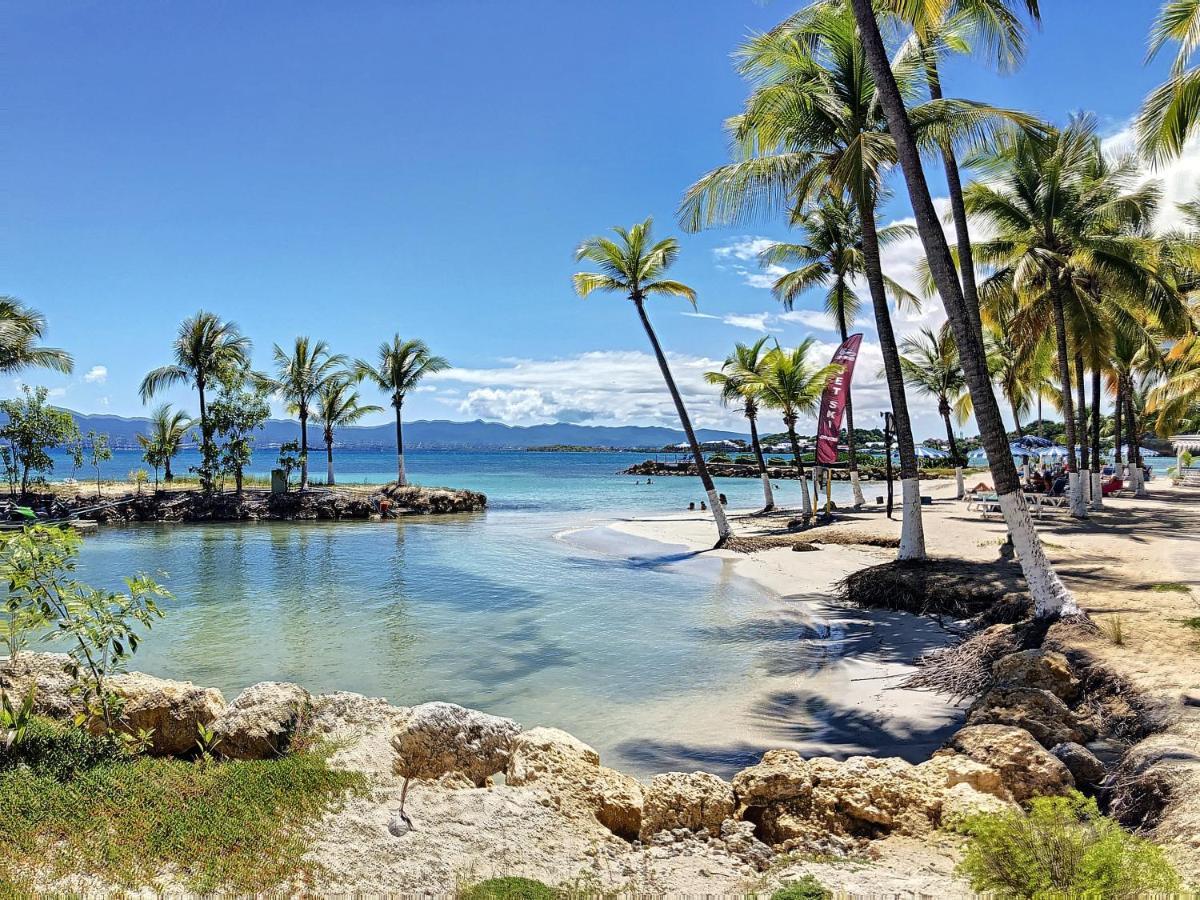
912,530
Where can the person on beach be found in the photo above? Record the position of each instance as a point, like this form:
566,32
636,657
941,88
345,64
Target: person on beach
703,506
692,506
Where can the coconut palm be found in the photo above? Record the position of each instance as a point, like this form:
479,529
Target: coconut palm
400,367
931,366
1050,596
205,350
1171,114
829,255
21,328
337,405
633,265
738,379
792,385
299,374
168,427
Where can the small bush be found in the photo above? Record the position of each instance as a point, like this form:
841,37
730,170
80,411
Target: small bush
1061,847
719,458
1113,628
509,888
1170,587
1193,622
53,750
807,888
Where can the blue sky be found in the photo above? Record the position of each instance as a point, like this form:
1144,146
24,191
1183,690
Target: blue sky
355,169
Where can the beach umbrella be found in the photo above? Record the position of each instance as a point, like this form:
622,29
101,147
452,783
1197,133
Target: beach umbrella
1147,452
1030,444
977,457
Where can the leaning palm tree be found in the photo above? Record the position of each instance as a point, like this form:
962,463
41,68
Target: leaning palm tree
1171,114
299,374
205,350
793,385
337,405
401,366
737,380
633,265
21,329
931,366
168,427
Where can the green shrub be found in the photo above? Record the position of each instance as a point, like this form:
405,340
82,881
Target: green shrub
745,460
1061,847
54,750
509,888
807,888
719,458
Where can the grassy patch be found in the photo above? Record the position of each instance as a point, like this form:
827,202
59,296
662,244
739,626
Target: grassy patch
509,888
1193,622
1113,628
236,826
1170,587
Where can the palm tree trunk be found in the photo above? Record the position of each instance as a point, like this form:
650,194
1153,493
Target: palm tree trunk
400,476
205,440
912,532
1097,489
1050,597
1082,427
303,446
1118,413
714,502
800,473
1041,424
1016,418
1078,509
329,460
1135,443
167,476
768,495
855,483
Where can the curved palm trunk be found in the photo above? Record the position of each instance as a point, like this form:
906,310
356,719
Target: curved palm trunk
167,475
912,532
1050,596
401,478
800,473
768,494
303,447
714,502
1135,444
851,450
1085,469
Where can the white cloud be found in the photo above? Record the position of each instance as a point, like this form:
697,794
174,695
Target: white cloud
742,257
819,320
745,248
1179,177
753,321
96,375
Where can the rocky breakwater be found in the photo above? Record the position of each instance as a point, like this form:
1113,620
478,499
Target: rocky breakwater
744,470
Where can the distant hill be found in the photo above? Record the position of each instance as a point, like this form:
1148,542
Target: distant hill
437,434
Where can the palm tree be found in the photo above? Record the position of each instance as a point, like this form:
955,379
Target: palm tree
1171,114
21,327
633,265
931,366
830,255
337,405
299,375
1050,596
205,350
793,385
401,366
168,427
739,375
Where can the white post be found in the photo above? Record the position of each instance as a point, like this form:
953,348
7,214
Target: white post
912,532
859,500
1075,493
806,505
718,511
958,478
768,494
1097,491
1139,481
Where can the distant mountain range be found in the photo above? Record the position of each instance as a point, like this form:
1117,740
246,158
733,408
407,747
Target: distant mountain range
435,434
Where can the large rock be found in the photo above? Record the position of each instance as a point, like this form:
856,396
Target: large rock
46,674
781,775
570,772
886,794
262,721
1026,768
1039,712
437,738
948,770
172,710
1084,766
1044,669
697,801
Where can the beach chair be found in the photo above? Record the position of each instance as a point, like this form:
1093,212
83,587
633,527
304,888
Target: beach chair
984,503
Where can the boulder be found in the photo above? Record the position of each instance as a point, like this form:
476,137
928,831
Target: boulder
1039,712
437,738
570,772
866,793
1044,669
46,674
780,775
172,710
261,722
948,770
697,801
1082,763
1026,768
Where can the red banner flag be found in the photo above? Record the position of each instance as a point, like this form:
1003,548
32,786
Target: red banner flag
833,401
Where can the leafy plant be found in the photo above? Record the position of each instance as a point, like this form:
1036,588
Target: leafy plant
32,429
1170,587
509,888
98,453
236,415
139,477
61,752
207,741
1061,847
14,720
807,888
289,459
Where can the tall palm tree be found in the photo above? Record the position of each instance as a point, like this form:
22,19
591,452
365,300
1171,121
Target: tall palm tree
738,379
299,374
1171,114
400,368
829,255
634,265
21,328
205,349
793,385
337,405
168,427
1050,596
931,366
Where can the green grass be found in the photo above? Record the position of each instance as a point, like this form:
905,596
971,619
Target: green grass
1170,587
509,888
235,826
1193,622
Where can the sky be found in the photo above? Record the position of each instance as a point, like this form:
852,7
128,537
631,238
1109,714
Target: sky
353,170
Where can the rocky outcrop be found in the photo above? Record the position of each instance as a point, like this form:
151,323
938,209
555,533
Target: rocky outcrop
695,801
436,738
44,673
262,721
1044,669
1026,768
570,773
1084,766
172,711
417,500
1039,712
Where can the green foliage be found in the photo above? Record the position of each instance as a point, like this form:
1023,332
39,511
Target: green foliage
53,750
1170,587
33,428
1062,847
289,459
15,719
719,458
235,416
807,888
1193,622
98,453
236,826
509,888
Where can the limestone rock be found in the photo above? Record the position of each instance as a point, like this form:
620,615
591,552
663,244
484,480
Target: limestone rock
172,710
261,722
437,738
45,673
780,775
1026,768
948,770
1082,763
962,800
1045,669
740,841
887,793
1039,712
696,801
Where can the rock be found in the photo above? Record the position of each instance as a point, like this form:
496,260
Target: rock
1026,768
1039,712
962,800
781,775
885,793
436,738
399,824
696,801
1045,669
172,710
261,722
740,841
948,770
1081,762
46,674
